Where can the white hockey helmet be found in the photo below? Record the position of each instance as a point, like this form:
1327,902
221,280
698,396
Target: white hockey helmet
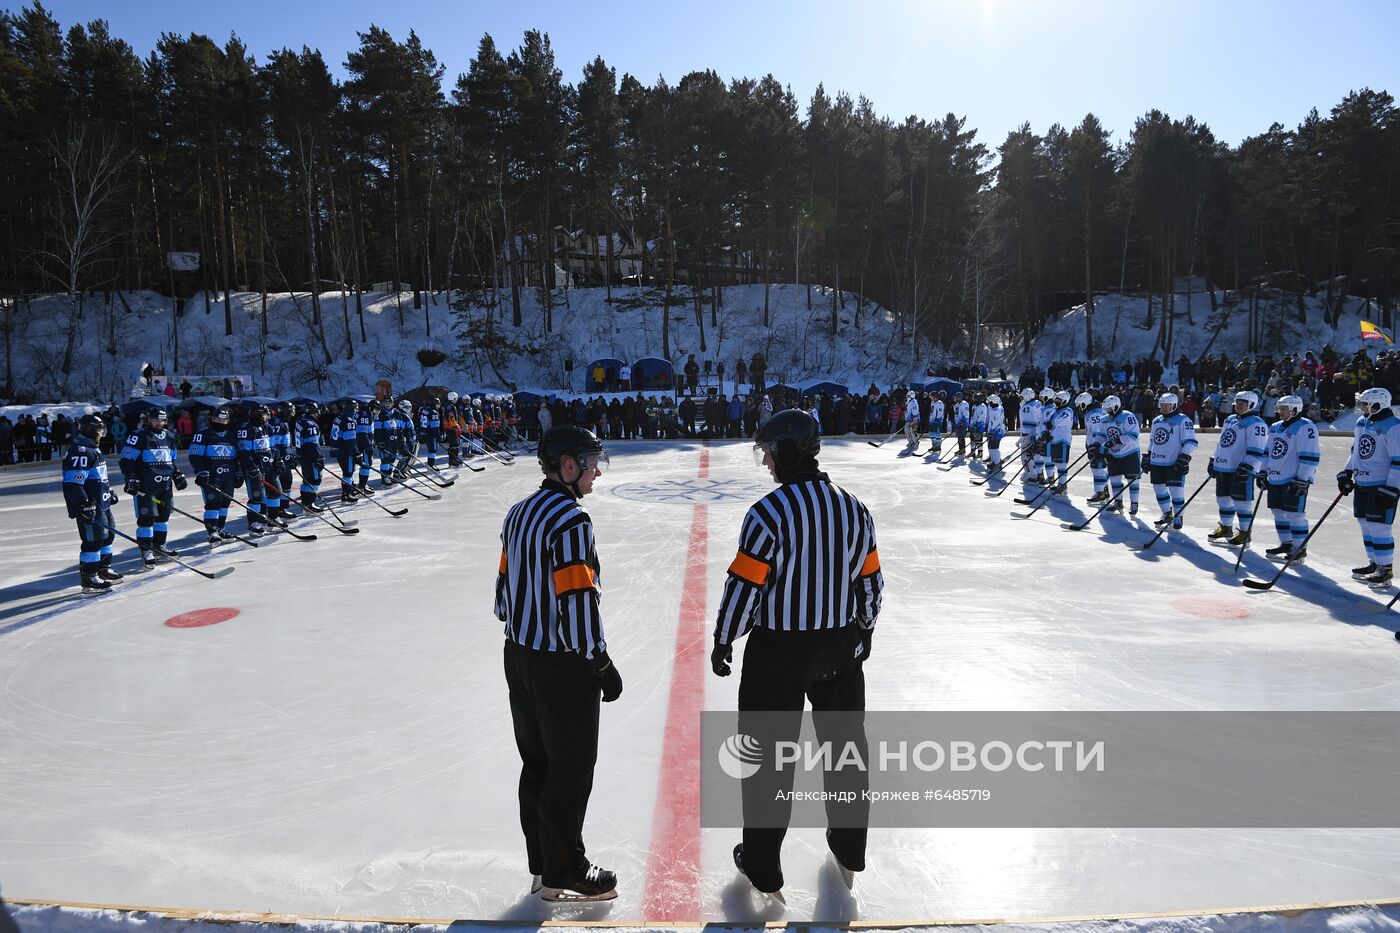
1168,400
1047,394
1293,403
405,405
1372,401
994,401
1062,397
1083,400
1112,404
1249,398
1027,394
476,403
452,396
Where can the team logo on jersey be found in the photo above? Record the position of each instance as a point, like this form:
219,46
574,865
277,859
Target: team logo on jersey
1227,438
740,756
1114,436
1161,435
1367,447
1279,449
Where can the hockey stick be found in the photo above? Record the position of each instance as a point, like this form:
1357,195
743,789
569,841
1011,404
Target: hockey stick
404,483
222,572
495,452
308,512
175,508
423,474
1175,516
1067,526
1256,585
1046,499
1044,489
322,500
888,439
1259,500
265,518
364,497
990,474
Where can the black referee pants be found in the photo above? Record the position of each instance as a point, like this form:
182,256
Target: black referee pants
554,701
781,670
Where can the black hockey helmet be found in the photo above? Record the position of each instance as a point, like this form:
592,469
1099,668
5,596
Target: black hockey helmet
287,410
221,415
569,440
92,426
155,414
792,436
259,413
310,409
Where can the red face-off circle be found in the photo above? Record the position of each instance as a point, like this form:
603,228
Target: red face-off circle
201,617
1206,607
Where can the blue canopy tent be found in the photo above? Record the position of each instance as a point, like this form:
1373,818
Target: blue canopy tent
137,407
303,399
530,399
652,372
937,384
834,389
608,383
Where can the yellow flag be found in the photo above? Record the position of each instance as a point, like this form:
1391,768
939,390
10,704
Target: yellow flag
1370,331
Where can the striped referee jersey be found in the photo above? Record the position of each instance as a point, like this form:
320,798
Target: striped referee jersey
807,560
548,587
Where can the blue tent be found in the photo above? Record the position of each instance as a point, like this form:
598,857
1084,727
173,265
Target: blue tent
937,384
611,367
834,389
522,399
138,407
652,372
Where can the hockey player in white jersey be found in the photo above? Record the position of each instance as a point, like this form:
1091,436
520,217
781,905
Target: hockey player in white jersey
937,415
962,414
1239,455
978,424
1171,444
996,430
911,420
1294,454
1060,431
1124,451
1095,437
1373,471
1030,431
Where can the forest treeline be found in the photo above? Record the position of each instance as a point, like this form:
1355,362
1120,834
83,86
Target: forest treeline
284,178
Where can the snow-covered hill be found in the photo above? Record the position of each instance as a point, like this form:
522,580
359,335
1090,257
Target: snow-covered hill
115,339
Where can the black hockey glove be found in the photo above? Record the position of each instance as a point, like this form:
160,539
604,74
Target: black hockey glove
1262,481
320,463
720,656
1146,462
88,512
1345,482
179,480
255,477
1243,470
1388,496
609,680
1299,487
132,487
1094,450
201,480
866,635
1183,464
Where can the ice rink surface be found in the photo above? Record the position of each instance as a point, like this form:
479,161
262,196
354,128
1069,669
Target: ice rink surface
341,745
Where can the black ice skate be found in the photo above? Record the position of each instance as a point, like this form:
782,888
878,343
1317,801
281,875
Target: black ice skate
1361,573
92,584
1278,552
597,884
1221,535
1240,539
1165,520
105,571
1381,579
848,876
739,864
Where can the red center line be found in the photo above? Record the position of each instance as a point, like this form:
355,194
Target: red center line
673,871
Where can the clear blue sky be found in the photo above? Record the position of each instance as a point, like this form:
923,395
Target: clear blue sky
1237,65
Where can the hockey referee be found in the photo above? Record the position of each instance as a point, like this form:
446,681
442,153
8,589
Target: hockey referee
805,587
556,661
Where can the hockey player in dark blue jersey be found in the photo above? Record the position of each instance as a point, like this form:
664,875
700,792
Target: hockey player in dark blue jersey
307,438
149,468
430,430
255,461
345,437
364,445
279,437
214,459
408,438
90,500
386,439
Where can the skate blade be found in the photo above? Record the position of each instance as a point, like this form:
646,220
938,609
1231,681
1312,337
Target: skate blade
565,896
